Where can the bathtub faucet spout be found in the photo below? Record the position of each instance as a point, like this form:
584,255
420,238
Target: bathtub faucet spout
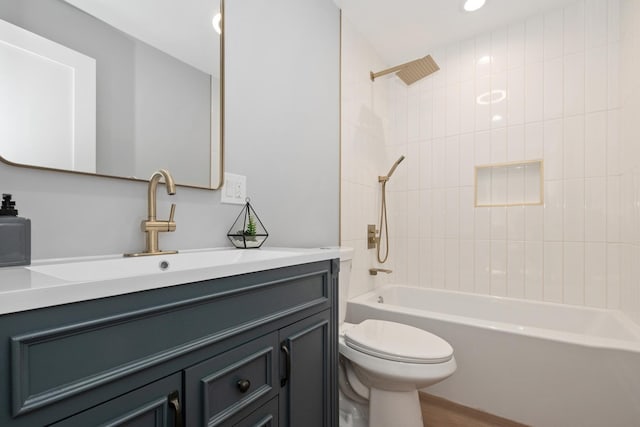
375,271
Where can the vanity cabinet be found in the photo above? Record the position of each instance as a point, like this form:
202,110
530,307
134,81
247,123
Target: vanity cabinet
258,349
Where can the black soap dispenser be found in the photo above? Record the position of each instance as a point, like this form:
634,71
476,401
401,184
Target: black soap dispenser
15,235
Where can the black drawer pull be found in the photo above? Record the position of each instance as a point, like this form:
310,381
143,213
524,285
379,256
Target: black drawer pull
243,385
287,365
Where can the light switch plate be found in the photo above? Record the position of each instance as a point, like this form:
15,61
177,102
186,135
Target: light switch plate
234,189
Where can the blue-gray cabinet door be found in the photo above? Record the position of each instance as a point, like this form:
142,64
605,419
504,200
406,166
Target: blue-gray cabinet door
306,372
158,404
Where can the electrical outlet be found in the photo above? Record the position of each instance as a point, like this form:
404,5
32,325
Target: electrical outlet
234,189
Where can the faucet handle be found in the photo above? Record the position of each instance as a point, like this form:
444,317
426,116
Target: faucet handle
171,225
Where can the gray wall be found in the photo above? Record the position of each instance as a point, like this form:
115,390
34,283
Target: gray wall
283,55
282,131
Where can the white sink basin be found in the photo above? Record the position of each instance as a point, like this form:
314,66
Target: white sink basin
118,268
50,282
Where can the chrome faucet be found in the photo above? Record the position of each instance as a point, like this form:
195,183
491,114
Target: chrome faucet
152,226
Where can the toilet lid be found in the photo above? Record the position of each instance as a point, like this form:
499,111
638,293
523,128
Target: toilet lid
397,342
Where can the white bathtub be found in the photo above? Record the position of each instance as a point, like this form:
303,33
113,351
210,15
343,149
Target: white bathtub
537,363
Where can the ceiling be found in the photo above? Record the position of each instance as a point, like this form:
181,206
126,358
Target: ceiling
404,30
400,30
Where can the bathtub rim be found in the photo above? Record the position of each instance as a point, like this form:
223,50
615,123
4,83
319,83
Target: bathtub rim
584,340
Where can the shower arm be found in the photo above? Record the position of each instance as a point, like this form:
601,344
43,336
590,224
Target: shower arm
387,71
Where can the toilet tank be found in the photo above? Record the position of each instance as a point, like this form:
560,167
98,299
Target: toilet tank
346,256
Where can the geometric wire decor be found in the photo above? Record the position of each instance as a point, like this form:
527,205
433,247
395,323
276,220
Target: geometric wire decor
247,232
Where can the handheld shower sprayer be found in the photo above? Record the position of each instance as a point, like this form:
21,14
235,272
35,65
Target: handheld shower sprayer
384,232
391,171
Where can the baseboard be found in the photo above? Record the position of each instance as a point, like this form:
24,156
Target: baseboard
439,412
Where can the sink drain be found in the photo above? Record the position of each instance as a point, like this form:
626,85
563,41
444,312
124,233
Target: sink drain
164,265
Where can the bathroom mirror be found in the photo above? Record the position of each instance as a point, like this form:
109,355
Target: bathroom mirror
118,88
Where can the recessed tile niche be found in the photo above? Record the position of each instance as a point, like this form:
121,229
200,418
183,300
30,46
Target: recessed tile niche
509,184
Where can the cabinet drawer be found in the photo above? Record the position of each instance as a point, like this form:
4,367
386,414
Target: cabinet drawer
265,416
154,405
220,387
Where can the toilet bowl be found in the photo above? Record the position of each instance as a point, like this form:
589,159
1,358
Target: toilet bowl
386,363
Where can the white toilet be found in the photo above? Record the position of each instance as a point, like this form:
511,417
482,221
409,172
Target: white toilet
386,363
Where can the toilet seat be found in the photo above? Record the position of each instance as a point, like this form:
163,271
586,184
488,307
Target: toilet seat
397,342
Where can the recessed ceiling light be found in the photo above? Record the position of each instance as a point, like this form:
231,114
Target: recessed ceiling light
473,5
216,22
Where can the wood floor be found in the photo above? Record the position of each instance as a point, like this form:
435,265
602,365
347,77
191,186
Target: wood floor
439,412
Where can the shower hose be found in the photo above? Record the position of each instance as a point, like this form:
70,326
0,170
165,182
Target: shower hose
383,221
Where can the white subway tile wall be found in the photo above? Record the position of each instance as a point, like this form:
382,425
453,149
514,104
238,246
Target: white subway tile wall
623,189
560,86
371,121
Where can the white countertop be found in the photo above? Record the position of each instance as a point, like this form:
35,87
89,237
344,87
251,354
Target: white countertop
29,287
